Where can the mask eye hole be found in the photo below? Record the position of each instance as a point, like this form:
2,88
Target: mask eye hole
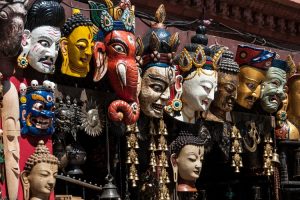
49,98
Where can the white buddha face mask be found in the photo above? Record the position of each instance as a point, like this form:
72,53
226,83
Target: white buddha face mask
198,92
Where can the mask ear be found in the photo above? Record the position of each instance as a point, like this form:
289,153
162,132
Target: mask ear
173,160
100,59
63,43
25,43
26,185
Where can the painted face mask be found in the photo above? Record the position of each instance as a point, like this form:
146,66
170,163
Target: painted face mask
273,88
37,108
228,82
253,64
40,41
114,54
43,48
157,71
76,45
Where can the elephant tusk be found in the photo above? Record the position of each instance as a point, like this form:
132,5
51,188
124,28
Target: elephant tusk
121,71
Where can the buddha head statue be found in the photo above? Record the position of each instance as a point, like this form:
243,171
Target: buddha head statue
37,108
187,154
293,110
114,53
273,89
198,77
228,82
39,175
254,63
12,20
76,45
41,36
157,71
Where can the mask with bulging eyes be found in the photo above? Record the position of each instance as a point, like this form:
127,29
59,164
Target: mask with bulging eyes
37,111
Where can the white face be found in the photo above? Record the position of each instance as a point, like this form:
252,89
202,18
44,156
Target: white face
189,162
44,45
199,91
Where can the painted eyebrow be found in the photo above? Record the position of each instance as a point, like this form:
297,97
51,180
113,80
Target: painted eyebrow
116,40
158,78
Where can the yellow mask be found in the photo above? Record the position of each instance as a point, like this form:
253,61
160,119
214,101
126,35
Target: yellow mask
77,51
250,80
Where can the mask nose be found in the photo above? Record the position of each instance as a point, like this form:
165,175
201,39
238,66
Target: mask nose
256,92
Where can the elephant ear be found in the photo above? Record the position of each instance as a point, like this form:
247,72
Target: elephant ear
154,42
139,46
96,10
100,59
174,42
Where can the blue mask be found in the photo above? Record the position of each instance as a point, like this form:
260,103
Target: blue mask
37,110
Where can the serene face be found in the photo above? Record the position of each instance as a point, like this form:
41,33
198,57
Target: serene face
44,45
273,89
155,90
199,91
42,179
37,113
189,162
80,46
250,80
12,17
227,91
294,97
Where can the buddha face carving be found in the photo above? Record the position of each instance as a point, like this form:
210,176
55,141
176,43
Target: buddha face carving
294,97
198,92
42,44
272,91
77,46
39,175
227,91
12,17
189,162
250,80
155,90
37,110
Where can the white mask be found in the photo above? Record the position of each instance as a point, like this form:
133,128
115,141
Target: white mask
43,50
198,92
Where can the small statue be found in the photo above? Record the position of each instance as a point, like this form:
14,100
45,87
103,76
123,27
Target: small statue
37,108
76,45
41,36
114,53
274,86
158,74
197,82
293,109
39,175
226,94
254,63
187,153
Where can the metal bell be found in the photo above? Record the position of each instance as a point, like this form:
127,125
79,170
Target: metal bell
275,158
128,161
136,161
233,163
237,169
128,128
136,129
136,145
109,191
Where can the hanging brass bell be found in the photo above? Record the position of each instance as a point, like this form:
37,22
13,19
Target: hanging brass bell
130,176
159,147
232,149
128,128
133,183
136,177
136,129
128,161
166,164
233,163
160,180
136,161
275,158
136,145
237,169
